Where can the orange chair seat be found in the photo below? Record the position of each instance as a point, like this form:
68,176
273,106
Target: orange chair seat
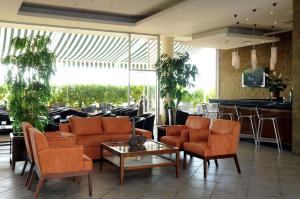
172,141
200,148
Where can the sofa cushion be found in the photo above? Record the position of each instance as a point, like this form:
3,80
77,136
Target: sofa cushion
116,125
86,126
92,140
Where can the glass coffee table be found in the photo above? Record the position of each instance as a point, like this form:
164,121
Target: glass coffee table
152,154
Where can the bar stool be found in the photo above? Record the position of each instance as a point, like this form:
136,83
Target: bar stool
261,120
222,114
251,118
208,113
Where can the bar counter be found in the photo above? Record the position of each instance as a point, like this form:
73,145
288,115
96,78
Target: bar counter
281,110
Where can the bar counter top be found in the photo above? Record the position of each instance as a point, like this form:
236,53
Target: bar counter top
262,103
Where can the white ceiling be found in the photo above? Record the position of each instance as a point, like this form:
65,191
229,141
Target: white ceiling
183,20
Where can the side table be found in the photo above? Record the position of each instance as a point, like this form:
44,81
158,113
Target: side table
161,131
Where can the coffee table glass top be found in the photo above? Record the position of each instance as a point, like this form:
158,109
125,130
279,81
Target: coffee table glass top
150,145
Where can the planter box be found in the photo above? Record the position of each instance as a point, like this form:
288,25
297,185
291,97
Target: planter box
18,150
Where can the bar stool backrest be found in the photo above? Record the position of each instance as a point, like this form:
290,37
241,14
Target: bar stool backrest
237,110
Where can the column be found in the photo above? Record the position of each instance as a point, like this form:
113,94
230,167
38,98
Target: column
167,46
296,76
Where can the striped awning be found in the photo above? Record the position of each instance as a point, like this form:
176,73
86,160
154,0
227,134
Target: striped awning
73,49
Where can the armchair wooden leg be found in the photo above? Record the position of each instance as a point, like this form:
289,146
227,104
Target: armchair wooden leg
184,160
31,179
29,174
90,178
39,186
24,166
237,163
216,163
205,167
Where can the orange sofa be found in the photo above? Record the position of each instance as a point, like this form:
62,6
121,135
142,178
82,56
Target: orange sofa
91,132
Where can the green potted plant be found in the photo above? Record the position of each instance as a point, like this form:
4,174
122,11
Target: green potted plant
175,75
28,84
275,83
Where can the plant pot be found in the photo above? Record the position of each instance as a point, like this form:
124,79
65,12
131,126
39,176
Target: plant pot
18,150
172,116
275,94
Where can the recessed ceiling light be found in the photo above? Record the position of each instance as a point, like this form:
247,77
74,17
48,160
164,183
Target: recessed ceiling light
275,22
271,13
247,19
248,43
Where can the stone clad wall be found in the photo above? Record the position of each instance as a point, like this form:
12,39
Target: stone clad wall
230,80
296,76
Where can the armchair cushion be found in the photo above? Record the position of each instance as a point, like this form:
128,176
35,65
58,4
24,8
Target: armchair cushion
200,148
199,135
174,130
172,141
86,126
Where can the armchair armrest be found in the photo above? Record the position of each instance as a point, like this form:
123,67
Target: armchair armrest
144,132
199,135
221,144
185,135
174,130
61,159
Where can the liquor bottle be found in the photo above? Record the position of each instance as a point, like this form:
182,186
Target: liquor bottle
291,95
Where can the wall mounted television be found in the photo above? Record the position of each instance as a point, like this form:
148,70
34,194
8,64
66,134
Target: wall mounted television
254,77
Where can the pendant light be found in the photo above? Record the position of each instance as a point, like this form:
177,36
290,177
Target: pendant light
253,51
235,60
273,59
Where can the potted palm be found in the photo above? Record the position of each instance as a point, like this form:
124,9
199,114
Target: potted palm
28,86
275,83
175,76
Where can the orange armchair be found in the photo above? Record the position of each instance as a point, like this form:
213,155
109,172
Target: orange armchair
57,162
54,139
176,135
222,143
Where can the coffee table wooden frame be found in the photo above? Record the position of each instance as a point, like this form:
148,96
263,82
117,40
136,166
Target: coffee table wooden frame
171,150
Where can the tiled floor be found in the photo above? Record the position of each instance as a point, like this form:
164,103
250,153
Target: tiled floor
265,174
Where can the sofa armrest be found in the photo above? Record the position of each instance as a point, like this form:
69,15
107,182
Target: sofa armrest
60,138
64,127
61,159
174,130
221,144
144,132
199,135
